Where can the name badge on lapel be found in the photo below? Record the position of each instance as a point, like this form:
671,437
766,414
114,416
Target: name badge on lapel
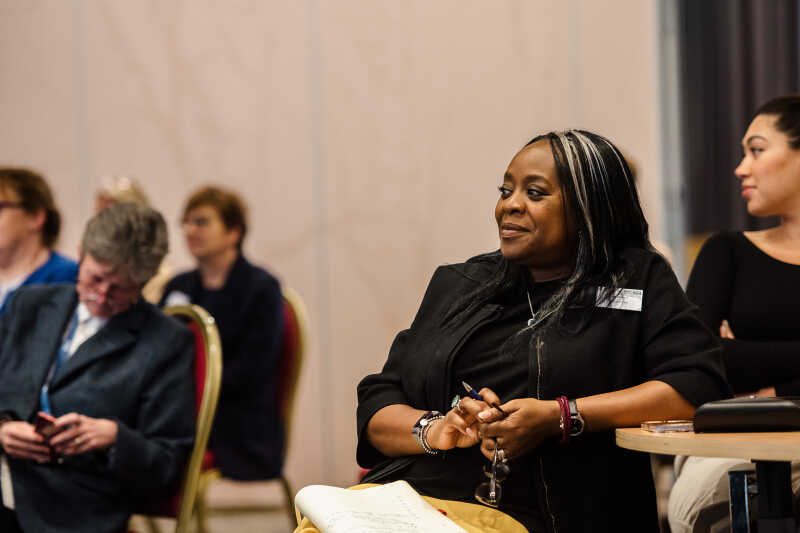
624,299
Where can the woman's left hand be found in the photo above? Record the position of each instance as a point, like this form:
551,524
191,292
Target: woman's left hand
527,423
80,434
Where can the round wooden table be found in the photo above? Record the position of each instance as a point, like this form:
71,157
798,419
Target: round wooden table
771,453
783,446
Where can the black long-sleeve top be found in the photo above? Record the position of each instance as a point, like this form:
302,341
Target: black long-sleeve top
247,438
732,279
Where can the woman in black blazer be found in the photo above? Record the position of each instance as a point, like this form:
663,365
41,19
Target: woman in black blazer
247,438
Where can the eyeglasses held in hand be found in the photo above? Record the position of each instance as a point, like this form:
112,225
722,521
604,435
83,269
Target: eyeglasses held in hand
489,492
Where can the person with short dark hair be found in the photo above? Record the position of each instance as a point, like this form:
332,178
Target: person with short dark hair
573,328
247,438
115,377
29,228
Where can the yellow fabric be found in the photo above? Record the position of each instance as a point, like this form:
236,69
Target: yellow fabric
473,517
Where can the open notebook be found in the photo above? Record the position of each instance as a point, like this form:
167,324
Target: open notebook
391,508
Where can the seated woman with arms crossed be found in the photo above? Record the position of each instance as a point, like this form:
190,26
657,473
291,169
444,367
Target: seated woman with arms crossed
247,439
574,328
747,285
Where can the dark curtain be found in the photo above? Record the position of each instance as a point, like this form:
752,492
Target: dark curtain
735,55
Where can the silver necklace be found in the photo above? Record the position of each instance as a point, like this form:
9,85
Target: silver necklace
532,319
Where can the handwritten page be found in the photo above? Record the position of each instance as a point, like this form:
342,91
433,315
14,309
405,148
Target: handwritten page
391,508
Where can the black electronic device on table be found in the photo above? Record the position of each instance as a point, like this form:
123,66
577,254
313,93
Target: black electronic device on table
750,414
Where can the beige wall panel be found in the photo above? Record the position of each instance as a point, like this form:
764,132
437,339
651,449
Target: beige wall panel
615,72
367,137
422,119
40,95
424,109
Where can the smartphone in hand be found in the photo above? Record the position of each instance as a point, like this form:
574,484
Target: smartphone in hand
45,425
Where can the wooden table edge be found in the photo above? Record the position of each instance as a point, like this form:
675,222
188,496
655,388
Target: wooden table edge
779,446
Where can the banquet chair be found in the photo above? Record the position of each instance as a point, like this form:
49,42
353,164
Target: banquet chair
293,347
208,377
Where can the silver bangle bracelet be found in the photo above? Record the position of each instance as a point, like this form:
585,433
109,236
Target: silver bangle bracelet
420,430
424,437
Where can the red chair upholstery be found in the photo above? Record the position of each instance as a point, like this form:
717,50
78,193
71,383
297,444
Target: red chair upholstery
208,377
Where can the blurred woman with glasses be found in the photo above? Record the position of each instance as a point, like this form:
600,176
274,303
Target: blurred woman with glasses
29,228
247,438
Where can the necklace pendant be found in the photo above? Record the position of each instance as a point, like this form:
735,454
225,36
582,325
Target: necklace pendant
532,319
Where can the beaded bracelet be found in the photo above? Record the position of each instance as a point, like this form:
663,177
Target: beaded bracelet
565,421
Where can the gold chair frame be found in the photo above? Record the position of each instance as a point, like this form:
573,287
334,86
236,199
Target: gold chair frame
205,415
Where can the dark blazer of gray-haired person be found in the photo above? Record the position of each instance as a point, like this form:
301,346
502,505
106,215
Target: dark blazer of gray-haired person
134,372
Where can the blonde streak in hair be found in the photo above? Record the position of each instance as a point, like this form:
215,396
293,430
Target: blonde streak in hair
598,160
571,156
579,184
600,176
595,159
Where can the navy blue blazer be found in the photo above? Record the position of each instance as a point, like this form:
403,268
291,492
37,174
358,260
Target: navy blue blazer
136,370
248,438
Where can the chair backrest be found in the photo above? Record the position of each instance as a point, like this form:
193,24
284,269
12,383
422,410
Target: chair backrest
293,347
208,377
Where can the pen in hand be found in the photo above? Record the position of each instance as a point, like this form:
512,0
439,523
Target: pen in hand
475,396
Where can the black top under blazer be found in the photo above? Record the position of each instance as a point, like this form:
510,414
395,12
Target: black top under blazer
248,437
136,370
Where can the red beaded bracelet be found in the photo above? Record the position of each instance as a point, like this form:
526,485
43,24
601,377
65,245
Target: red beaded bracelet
566,421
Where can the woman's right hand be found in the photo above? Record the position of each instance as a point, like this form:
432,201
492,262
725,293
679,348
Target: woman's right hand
20,441
459,427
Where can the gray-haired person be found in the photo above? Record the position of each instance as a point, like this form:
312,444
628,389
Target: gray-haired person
113,372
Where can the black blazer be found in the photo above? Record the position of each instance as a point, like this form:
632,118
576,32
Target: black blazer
248,438
137,370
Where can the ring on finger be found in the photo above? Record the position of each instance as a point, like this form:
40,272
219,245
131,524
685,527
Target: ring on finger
456,405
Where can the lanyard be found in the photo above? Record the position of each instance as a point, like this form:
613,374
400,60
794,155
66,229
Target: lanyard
63,353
